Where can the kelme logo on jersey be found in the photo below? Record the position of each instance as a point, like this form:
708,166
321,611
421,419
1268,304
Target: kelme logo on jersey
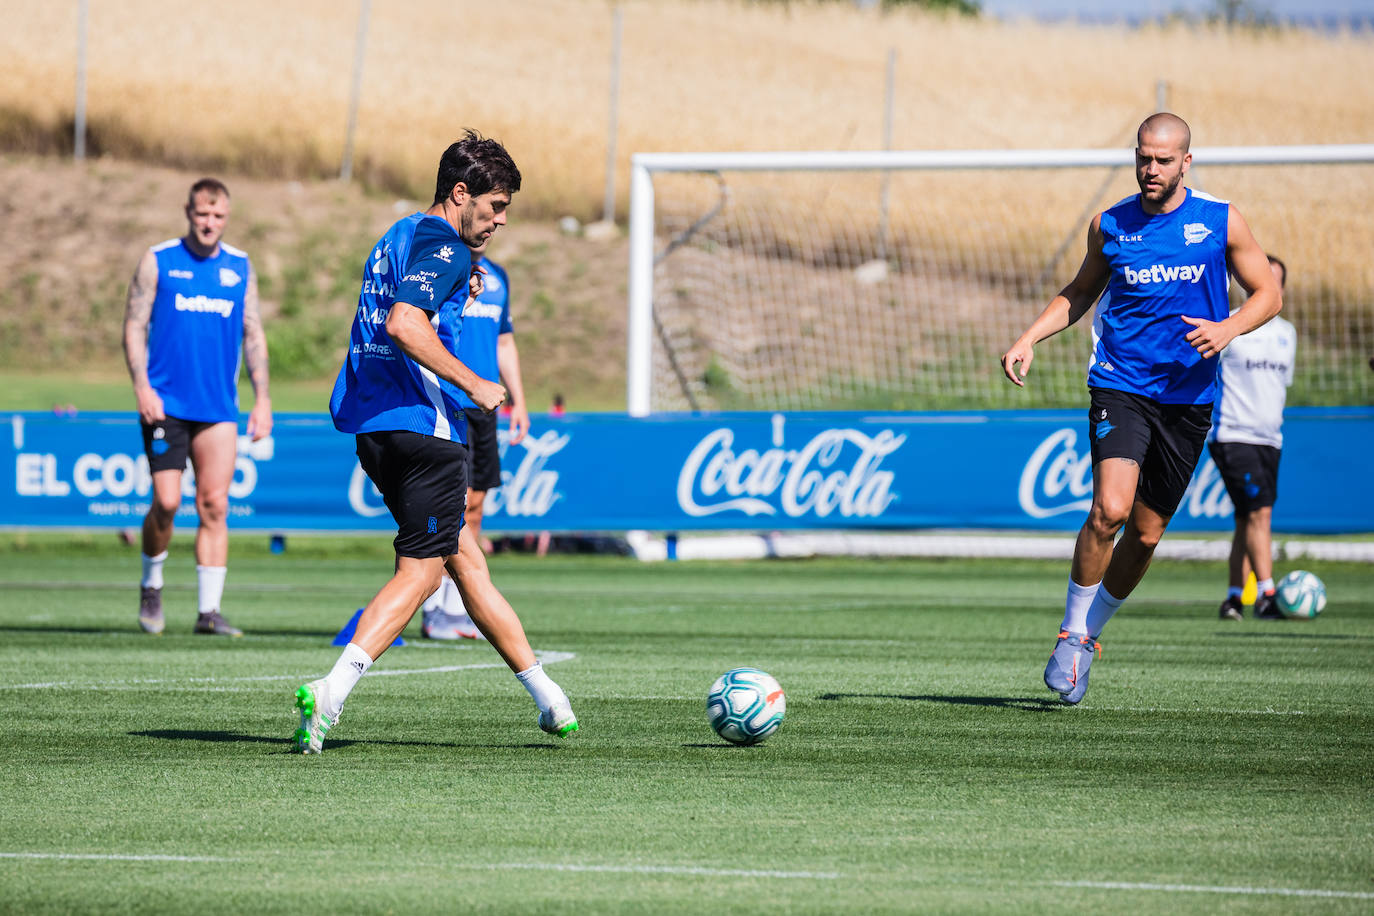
1194,233
444,254
1161,273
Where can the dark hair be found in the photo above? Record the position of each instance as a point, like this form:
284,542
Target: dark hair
482,164
1283,271
212,186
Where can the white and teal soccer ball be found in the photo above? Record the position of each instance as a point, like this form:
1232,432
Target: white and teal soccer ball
1301,594
745,705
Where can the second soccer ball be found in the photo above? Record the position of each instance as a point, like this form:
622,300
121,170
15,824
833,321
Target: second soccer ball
1301,594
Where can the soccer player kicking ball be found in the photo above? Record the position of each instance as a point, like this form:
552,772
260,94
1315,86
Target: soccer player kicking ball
1162,256
411,432
478,330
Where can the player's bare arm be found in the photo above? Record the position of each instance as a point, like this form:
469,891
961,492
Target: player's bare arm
255,360
1064,309
410,329
138,312
1250,266
508,363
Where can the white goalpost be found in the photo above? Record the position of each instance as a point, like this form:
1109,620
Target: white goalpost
892,280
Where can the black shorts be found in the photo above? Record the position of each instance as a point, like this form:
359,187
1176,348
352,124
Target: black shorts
424,482
484,449
1165,440
167,443
1250,472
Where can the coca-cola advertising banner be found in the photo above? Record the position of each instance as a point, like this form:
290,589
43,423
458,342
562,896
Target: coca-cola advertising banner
674,472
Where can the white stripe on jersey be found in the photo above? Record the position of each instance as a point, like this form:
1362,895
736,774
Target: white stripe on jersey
442,430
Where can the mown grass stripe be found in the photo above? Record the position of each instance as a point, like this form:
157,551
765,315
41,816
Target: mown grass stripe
1216,889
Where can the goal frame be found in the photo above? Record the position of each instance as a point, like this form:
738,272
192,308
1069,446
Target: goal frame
643,167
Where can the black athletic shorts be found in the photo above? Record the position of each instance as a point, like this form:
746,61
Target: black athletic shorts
424,482
1165,440
1250,472
167,443
484,449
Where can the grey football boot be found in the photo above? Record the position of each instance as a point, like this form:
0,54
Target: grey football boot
1067,671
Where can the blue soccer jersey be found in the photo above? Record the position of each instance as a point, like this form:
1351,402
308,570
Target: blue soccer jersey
1163,266
195,331
471,330
421,261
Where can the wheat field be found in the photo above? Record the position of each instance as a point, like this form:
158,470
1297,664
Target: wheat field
259,90
258,87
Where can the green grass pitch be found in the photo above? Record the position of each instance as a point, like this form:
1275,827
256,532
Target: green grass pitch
922,766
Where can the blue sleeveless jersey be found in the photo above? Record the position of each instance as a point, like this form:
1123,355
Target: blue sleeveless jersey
1163,266
195,332
421,261
471,331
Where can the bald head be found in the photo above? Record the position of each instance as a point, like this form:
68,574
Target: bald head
1165,129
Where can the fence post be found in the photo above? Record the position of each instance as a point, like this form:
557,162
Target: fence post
608,204
888,93
359,49
83,8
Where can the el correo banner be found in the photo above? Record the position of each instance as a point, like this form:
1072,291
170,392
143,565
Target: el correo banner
676,472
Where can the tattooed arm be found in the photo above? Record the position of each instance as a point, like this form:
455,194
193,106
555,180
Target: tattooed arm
255,360
138,311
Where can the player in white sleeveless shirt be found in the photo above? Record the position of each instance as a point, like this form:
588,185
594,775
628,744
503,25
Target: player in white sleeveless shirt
1253,378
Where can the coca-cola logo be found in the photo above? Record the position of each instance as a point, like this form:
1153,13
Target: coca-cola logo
836,471
363,496
530,489
1057,479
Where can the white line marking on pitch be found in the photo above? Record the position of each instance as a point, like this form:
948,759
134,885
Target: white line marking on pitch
497,866
1208,889
110,857
652,870
545,657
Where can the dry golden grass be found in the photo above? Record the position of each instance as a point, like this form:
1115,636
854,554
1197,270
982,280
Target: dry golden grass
263,87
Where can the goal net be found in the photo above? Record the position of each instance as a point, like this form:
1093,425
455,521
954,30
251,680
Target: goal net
894,281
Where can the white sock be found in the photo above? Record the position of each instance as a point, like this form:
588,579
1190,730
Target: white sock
344,676
152,570
210,580
1266,586
545,692
1234,591
1076,607
1102,609
452,599
444,597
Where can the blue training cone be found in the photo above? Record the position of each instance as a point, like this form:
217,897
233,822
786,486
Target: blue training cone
346,634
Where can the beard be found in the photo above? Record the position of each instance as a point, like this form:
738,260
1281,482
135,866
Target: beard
1166,189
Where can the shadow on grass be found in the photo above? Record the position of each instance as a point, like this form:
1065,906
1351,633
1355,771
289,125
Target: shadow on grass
73,631
220,737
172,633
1031,704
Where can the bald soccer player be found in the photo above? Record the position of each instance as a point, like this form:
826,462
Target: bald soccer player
1162,256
